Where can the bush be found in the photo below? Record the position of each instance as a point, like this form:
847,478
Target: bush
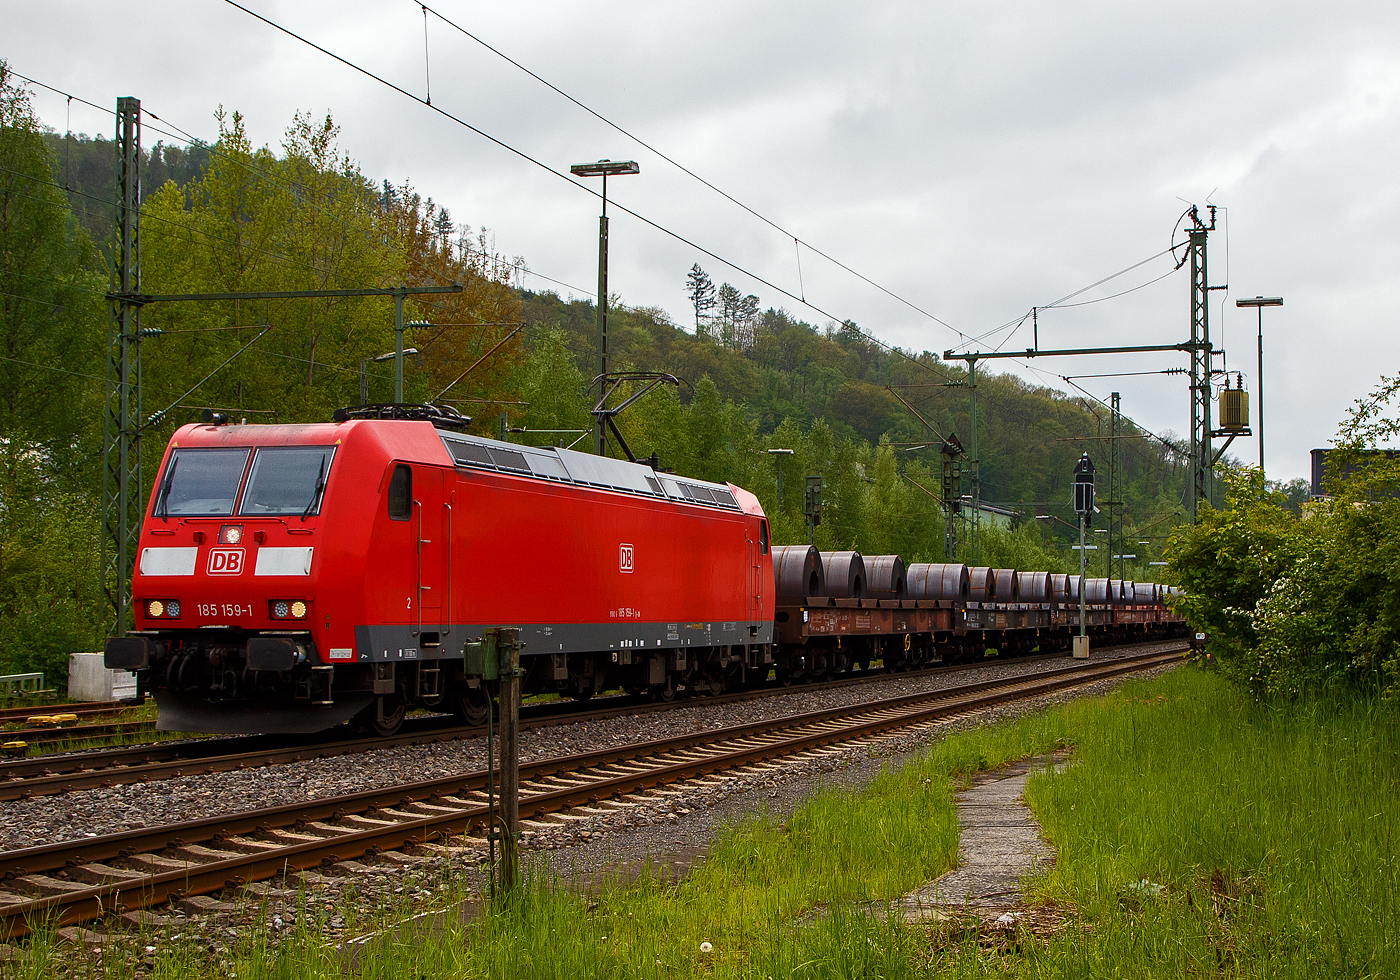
48,593
1298,605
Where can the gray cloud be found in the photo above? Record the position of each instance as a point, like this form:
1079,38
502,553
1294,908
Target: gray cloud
977,158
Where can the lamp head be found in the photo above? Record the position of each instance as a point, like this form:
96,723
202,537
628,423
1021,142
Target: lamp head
605,168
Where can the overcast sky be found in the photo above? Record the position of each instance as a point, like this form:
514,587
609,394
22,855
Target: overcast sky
974,158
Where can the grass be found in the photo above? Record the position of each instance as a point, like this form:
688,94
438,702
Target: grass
1272,833
1198,834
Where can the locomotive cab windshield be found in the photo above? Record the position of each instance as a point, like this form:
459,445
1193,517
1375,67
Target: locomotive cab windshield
200,483
284,480
287,480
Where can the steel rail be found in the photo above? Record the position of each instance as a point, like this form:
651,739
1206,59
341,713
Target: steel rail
46,775
8,715
452,814
51,734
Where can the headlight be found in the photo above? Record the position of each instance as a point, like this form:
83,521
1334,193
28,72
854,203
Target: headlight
163,608
287,608
231,534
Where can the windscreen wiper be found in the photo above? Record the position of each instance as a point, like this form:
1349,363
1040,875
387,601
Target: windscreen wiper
161,506
316,494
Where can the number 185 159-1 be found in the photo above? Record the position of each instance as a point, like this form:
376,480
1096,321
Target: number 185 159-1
227,610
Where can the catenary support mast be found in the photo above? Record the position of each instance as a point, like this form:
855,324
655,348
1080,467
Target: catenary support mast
121,437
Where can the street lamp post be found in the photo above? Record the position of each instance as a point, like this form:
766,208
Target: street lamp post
1259,302
604,169
364,369
780,453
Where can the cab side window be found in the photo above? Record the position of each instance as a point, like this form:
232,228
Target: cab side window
763,537
401,493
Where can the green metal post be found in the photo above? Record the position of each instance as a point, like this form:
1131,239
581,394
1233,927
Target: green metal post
1115,489
122,482
399,295
600,437
508,646
1201,482
976,461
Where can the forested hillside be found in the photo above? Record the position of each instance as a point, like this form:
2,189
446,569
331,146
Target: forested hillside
782,383
301,216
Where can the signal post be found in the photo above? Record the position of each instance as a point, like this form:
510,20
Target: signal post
1084,507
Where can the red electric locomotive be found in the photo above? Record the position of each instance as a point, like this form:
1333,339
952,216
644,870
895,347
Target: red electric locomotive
294,577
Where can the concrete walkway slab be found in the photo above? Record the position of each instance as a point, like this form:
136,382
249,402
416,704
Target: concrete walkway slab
999,847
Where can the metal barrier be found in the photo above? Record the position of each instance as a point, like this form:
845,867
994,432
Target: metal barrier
19,685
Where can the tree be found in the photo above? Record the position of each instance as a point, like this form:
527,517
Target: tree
50,406
50,301
554,390
701,290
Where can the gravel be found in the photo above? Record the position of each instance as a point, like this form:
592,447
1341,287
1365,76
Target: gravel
87,813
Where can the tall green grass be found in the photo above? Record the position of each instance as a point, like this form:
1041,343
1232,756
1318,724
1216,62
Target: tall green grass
1272,830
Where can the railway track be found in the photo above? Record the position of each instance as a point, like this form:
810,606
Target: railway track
83,880
46,775
44,735
10,715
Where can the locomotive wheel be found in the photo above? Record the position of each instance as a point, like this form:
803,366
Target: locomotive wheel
469,704
394,711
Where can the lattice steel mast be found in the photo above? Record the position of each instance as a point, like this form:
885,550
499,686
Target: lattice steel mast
121,438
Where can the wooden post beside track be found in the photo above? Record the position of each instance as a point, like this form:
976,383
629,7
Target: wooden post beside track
508,645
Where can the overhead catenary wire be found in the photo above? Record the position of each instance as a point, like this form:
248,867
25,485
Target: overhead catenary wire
1062,302
690,173
566,177
800,298
174,131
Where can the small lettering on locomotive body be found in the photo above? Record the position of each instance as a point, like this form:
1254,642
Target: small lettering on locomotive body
224,610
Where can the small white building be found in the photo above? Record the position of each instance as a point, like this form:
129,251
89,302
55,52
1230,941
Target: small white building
90,680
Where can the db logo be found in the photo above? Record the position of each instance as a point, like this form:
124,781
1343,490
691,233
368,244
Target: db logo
624,558
226,561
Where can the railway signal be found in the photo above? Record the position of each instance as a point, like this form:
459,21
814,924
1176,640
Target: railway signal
1084,507
812,505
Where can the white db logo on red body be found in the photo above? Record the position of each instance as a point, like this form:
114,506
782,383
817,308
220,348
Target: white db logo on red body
624,558
225,561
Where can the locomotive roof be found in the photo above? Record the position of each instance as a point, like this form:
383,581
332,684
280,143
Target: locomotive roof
414,440
584,469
